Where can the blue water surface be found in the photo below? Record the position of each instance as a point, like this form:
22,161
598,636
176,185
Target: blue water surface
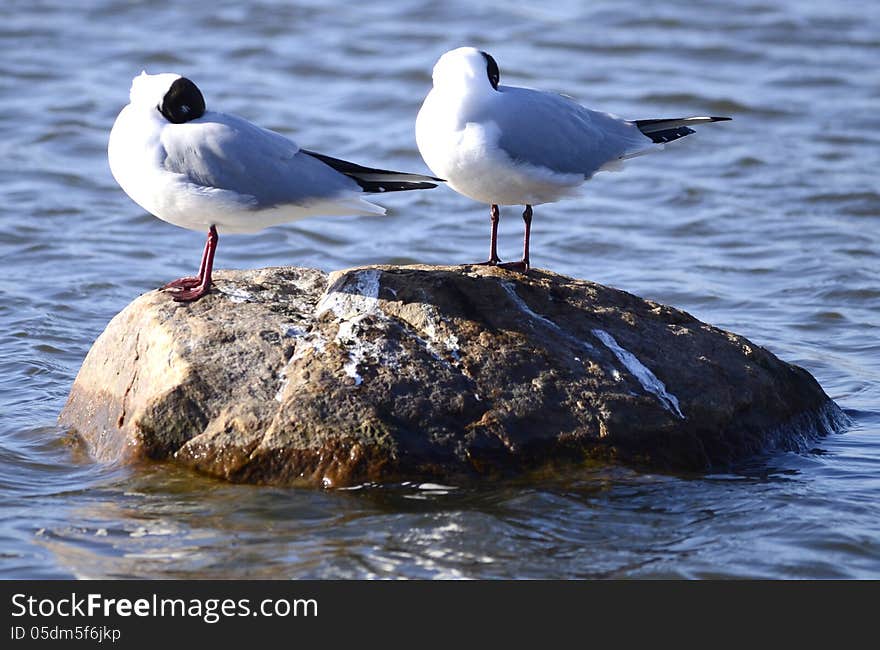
768,225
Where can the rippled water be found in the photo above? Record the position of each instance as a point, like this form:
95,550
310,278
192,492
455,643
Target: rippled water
768,225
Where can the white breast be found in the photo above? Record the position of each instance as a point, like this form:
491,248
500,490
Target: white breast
135,155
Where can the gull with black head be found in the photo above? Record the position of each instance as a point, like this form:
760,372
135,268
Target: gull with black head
505,145
206,170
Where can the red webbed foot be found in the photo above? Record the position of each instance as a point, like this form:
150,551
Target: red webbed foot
183,283
192,294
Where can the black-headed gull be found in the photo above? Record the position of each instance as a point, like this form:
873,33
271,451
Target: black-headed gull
504,145
205,170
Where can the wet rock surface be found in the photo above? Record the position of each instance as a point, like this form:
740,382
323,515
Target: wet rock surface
288,376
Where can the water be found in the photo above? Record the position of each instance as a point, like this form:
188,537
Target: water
768,225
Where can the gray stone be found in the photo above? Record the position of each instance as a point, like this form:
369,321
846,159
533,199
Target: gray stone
286,376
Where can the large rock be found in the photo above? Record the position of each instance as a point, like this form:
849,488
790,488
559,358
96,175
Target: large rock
284,375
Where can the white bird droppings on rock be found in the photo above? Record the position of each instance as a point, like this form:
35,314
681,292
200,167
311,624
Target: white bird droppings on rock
646,378
350,308
235,294
363,298
448,341
511,291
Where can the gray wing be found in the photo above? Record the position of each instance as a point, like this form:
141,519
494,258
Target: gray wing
219,151
552,131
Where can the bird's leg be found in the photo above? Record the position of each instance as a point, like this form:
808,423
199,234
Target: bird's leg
191,282
495,216
194,293
524,264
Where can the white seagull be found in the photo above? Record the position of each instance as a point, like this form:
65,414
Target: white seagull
204,170
504,145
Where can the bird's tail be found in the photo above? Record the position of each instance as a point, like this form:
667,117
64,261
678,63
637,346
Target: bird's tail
377,180
667,130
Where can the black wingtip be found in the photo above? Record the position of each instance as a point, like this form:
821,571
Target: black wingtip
668,135
664,130
374,180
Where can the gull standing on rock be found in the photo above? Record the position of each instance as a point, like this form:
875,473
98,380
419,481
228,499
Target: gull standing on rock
204,170
504,145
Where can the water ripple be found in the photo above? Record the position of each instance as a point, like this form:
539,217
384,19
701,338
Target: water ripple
761,225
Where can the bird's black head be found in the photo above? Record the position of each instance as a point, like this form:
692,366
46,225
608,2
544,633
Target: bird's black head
183,102
492,70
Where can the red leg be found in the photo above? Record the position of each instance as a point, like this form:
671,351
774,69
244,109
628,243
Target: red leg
495,216
196,292
524,264
190,282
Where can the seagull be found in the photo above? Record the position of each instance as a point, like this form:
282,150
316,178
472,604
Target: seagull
505,145
205,170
